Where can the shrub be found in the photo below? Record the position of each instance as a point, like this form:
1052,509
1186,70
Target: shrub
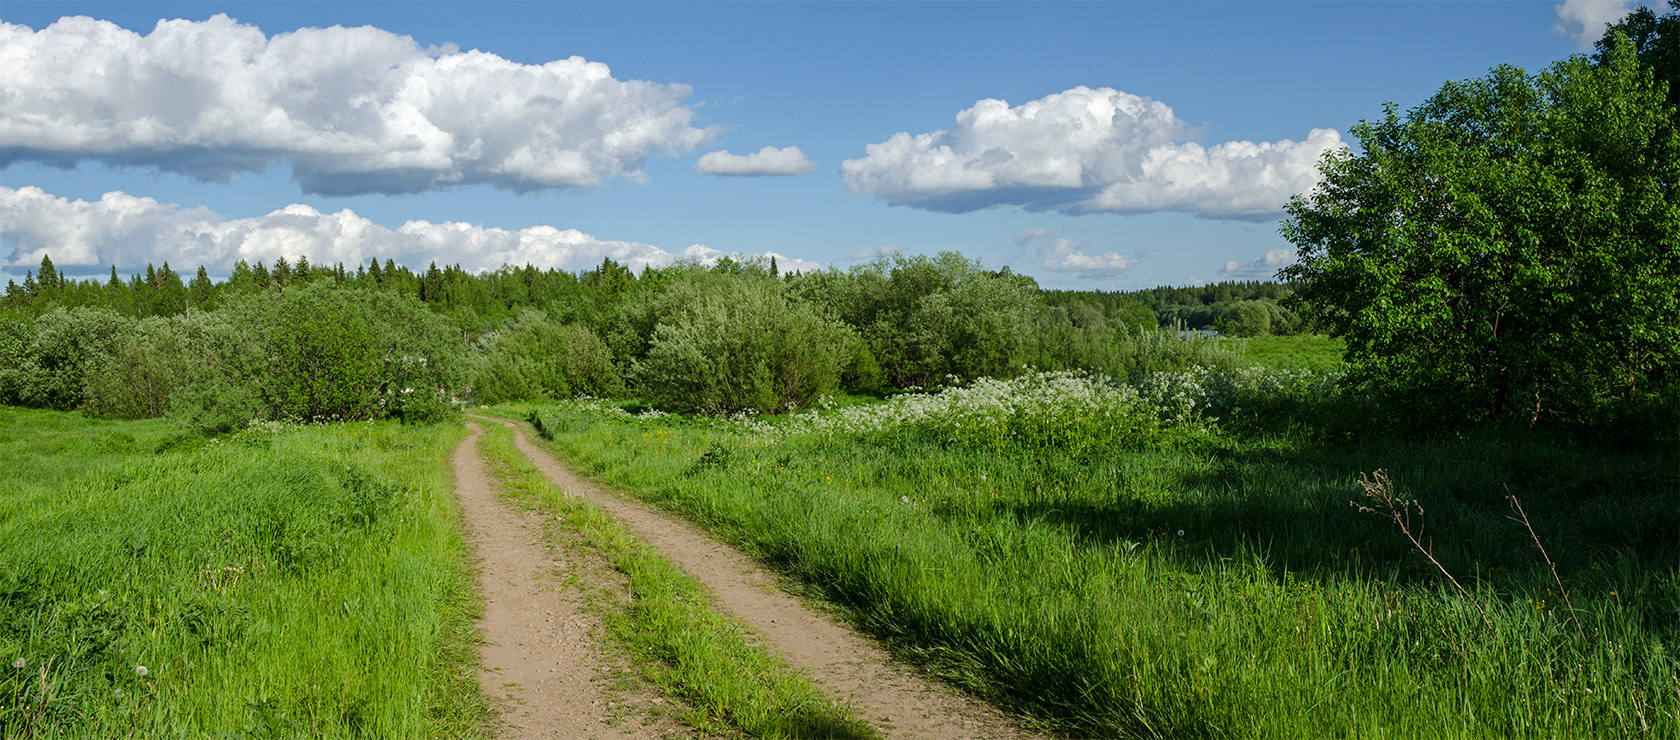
535,357
322,355
47,362
145,366
742,347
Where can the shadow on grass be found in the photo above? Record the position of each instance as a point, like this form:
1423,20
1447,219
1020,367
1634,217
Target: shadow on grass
1598,513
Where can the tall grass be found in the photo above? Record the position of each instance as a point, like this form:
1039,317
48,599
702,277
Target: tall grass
1187,581
282,582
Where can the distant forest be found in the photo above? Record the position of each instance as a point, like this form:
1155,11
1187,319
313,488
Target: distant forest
1235,308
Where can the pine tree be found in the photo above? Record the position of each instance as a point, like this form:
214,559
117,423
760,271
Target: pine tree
200,291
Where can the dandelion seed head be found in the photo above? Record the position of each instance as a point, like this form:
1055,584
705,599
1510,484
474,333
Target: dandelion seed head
19,663
142,670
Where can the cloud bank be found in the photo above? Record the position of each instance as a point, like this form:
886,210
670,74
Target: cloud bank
353,110
1584,20
768,161
1086,150
1264,267
86,238
1060,254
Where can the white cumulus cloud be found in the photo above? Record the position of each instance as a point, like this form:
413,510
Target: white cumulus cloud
869,253
768,161
127,231
1584,20
353,110
1061,254
1264,267
1086,150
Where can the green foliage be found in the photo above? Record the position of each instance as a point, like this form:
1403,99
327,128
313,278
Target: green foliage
322,355
742,346
1247,319
535,357
1656,40
1508,251
46,360
141,372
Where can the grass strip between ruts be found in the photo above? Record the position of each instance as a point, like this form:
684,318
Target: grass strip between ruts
671,629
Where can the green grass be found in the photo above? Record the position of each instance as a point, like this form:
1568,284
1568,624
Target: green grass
669,626
1302,352
282,582
1211,584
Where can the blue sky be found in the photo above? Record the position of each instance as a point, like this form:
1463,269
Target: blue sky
313,143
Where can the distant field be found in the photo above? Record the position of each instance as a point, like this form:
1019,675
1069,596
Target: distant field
1301,352
281,582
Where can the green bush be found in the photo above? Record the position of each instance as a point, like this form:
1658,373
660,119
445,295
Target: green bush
145,366
535,357
322,357
47,360
743,347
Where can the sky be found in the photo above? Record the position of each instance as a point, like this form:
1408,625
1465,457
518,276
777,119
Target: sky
1110,146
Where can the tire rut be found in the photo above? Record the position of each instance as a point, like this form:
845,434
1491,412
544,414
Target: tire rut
541,663
886,693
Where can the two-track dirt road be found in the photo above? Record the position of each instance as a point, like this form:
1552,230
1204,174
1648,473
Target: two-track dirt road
530,628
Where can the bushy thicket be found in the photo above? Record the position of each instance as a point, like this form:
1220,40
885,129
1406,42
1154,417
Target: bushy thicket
314,352
742,346
537,357
306,341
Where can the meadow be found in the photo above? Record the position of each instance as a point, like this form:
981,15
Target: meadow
283,581
1185,554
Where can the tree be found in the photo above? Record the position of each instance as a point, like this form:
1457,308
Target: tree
1508,251
1656,39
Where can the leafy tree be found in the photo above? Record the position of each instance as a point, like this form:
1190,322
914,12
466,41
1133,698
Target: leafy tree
1510,250
1656,39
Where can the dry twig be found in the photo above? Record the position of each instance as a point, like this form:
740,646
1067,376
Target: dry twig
1379,490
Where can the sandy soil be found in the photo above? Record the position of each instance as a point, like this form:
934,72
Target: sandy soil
541,663
888,694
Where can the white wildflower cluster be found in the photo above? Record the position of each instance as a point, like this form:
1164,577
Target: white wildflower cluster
588,405
1067,409
1213,395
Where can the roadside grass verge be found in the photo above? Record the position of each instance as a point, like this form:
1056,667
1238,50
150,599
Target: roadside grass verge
284,581
669,626
1203,583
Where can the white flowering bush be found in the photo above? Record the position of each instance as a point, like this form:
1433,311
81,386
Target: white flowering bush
1248,394
1068,410
1072,411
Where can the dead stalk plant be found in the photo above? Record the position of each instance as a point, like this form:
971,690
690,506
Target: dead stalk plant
1385,502
1522,518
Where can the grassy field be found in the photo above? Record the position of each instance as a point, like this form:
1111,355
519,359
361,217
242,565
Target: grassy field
668,626
285,581
1302,352
1120,576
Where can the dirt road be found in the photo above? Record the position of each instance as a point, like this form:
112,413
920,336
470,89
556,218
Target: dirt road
540,663
887,694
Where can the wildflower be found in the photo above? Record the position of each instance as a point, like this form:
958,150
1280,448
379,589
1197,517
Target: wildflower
140,669
1181,533
905,499
19,663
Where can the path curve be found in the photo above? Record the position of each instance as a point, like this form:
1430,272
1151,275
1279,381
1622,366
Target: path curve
886,693
540,662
